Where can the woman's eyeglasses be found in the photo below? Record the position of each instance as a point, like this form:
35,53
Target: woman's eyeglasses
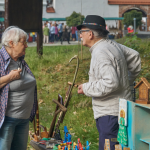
24,43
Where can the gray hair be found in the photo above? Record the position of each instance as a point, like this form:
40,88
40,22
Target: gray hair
14,34
100,33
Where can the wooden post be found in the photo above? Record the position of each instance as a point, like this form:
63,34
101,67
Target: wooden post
81,50
6,14
16,12
40,33
40,43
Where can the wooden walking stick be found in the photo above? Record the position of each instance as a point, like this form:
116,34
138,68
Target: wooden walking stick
61,116
36,127
59,103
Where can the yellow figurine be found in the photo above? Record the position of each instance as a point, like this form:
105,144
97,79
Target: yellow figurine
59,147
68,147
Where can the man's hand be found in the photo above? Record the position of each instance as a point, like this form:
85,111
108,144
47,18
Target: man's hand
14,75
80,89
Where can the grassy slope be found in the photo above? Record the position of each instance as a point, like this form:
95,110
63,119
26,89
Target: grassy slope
52,72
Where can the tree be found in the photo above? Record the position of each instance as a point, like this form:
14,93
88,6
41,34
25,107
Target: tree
74,19
128,18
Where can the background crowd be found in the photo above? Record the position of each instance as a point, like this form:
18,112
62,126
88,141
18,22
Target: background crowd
58,32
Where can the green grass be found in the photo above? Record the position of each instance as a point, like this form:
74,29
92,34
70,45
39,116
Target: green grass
52,73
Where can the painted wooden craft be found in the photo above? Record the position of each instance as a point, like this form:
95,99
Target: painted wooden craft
144,88
122,137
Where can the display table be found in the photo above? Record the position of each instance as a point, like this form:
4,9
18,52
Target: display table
138,126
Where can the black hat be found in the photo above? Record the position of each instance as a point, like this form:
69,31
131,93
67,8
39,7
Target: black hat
93,22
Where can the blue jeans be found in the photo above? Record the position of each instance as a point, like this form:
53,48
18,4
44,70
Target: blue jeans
14,134
52,37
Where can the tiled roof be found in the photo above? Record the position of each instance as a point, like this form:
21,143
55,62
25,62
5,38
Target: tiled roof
50,10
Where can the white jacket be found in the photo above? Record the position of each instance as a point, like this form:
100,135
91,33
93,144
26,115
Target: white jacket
113,69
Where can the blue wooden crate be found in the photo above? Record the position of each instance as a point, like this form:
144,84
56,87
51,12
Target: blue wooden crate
138,126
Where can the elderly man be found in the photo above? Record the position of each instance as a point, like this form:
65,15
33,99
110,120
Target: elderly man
113,69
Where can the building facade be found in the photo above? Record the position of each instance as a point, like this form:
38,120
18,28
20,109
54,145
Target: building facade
104,8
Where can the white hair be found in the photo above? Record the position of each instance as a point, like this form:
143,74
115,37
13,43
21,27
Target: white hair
13,34
100,33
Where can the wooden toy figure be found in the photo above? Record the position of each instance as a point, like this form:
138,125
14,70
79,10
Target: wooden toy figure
122,133
118,147
107,144
68,147
59,147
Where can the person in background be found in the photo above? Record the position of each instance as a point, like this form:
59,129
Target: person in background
33,36
46,34
18,91
73,29
56,32
68,34
130,29
49,24
43,25
107,28
76,33
65,34
60,31
52,33
113,69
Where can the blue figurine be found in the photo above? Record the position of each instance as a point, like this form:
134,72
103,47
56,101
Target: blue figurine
66,136
87,145
69,137
66,148
76,148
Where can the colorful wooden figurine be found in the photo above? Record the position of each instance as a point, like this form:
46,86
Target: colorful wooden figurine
122,133
87,145
74,145
126,148
68,147
144,88
76,148
118,147
107,144
59,147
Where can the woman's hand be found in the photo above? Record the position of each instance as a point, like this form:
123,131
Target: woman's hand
14,75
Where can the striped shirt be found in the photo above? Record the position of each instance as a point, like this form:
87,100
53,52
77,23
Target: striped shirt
4,70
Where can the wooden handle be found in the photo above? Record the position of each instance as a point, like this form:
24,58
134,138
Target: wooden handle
64,109
75,85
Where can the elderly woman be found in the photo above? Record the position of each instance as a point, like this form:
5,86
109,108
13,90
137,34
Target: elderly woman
18,94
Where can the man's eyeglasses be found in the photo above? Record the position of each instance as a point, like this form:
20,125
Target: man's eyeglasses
24,43
83,31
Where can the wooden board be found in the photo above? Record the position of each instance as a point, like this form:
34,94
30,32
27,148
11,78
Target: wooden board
25,14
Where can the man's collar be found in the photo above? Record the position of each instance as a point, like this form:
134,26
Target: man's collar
91,49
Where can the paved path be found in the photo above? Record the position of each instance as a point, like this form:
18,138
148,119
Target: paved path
34,44
55,44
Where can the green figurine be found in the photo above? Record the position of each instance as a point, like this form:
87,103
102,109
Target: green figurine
122,133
